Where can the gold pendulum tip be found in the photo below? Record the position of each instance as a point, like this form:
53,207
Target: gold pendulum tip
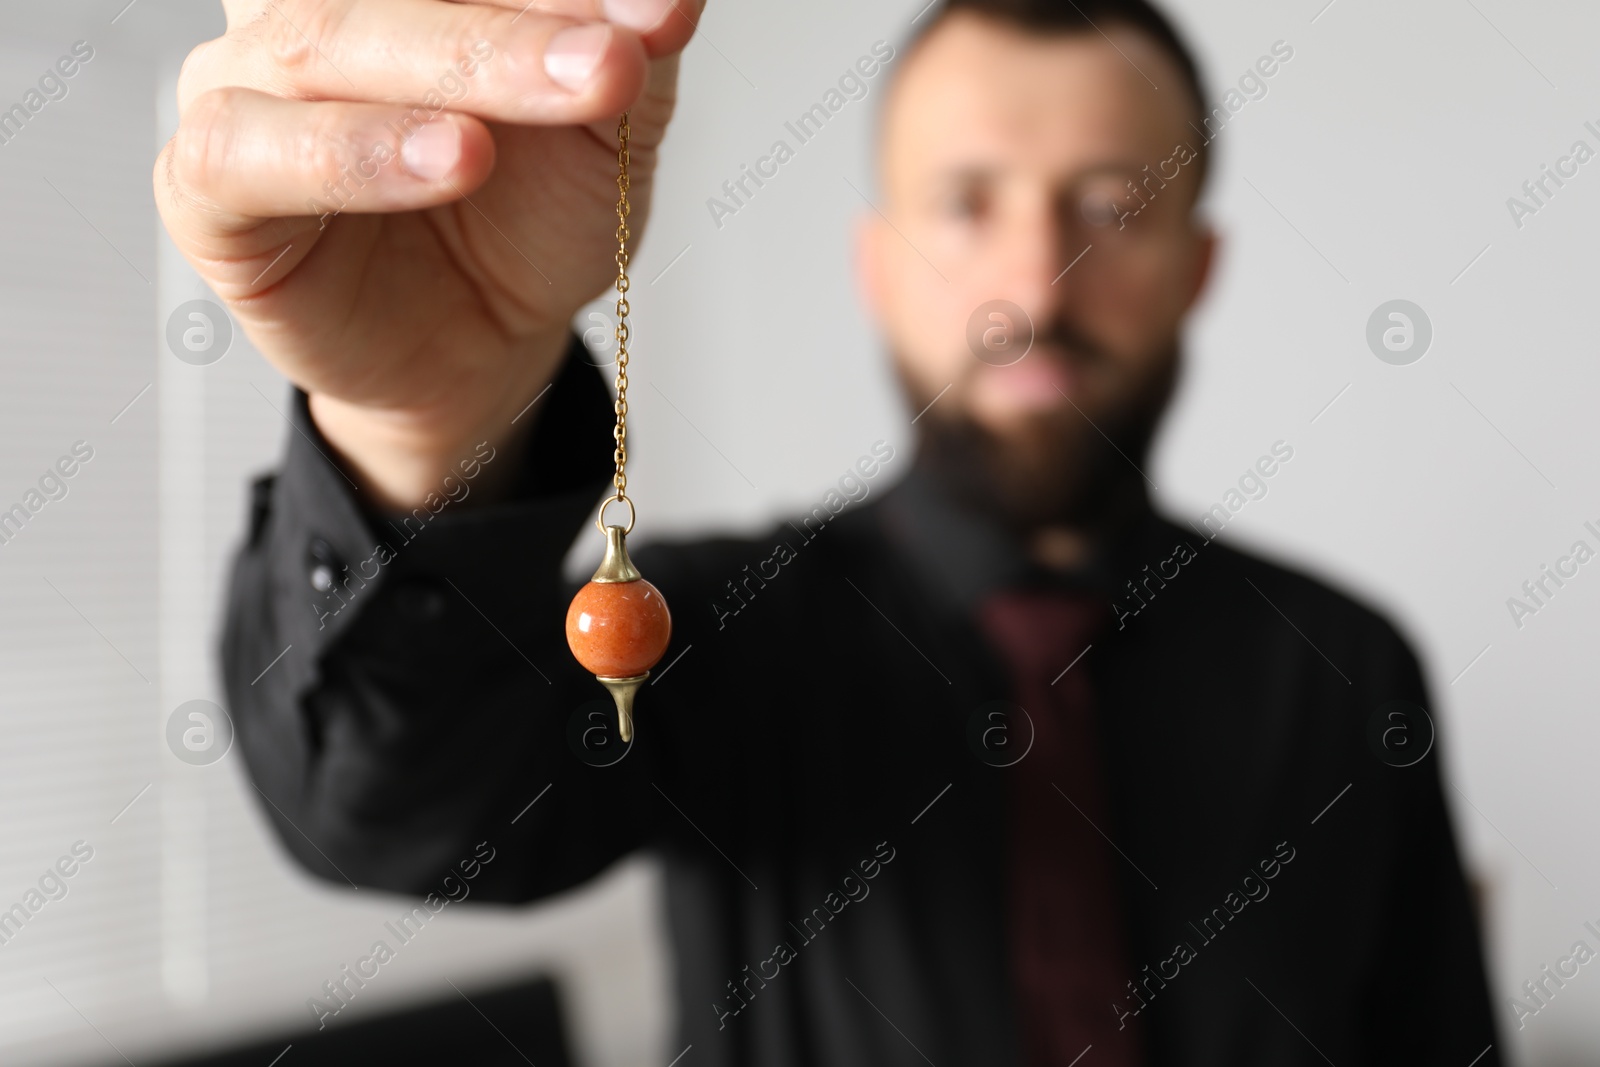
622,691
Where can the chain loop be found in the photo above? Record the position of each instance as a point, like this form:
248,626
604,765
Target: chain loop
623,333
600,520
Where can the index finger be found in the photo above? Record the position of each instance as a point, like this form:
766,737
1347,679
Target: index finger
664,26
526,63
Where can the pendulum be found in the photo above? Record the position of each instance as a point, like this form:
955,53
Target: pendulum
618,625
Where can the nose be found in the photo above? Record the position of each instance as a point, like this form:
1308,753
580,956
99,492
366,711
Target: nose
1038,274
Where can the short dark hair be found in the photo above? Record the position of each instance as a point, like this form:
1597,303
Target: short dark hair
1044,17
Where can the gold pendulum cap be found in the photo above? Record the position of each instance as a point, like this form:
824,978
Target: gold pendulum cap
615,565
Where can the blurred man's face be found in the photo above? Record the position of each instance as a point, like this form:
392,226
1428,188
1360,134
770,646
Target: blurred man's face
1012,168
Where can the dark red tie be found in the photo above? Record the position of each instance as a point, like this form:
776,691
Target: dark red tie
1069,962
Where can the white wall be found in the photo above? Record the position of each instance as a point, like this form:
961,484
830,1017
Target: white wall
1377,167
188,928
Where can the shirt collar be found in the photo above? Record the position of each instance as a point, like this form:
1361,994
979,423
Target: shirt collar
965,554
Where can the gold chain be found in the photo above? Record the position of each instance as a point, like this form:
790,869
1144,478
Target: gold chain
620,479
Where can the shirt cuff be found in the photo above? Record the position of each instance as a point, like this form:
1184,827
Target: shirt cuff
334,561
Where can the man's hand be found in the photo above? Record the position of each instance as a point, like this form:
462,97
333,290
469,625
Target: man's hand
404,202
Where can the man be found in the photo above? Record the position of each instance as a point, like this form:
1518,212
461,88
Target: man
997,767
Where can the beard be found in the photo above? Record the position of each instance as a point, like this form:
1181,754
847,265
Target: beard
1056,468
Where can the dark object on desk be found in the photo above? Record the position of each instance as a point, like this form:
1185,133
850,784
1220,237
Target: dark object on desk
505,1027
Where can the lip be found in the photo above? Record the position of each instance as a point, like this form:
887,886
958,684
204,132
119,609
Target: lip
1035,383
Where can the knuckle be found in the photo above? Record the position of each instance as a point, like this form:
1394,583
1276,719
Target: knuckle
174,198
479,27
477,37
190,76
297,34
329,146
201,148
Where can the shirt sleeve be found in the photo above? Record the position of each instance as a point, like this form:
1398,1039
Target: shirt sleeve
1428,1002
400,686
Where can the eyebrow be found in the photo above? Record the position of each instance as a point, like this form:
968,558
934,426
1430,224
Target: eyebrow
969,174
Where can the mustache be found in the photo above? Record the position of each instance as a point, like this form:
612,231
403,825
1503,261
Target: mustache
1063,341
1066,338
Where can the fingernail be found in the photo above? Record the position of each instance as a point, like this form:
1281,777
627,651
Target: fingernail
640,15
433,151
573,54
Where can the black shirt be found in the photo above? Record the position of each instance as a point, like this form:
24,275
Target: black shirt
832,838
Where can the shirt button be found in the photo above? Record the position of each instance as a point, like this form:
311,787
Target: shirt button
324,565
322,578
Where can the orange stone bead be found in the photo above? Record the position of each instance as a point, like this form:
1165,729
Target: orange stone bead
618,629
